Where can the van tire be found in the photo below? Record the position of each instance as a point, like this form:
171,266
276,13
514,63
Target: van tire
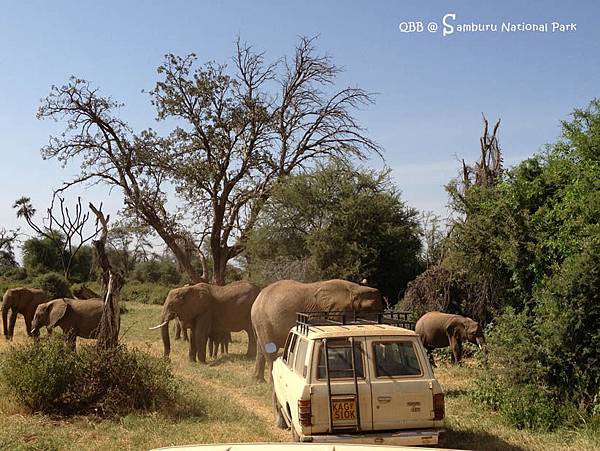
295,436
279,419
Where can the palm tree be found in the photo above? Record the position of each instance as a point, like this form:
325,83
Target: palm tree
24,208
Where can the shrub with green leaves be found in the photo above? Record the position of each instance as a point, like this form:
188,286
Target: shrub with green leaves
145,293
532,241
55,284
48,377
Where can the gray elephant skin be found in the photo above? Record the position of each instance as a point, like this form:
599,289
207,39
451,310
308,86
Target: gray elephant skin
76,317
440,330
22,301
204,307
274,311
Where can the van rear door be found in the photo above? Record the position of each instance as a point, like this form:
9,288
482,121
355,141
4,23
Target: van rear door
344,409
402,393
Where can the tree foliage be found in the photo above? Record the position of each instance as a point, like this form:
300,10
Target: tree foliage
340,222
535,236
236,131
7,252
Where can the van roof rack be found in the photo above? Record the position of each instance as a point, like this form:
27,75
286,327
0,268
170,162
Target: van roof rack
304,320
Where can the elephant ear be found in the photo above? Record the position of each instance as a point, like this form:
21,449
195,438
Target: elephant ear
57,312
333,297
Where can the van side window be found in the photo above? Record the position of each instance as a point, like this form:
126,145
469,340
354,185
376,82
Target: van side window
396,358
292,351
300,366
286,348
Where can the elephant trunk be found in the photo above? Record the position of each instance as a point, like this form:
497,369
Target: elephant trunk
164,331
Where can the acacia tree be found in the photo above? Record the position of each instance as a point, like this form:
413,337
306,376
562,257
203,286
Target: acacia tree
64,227
236,133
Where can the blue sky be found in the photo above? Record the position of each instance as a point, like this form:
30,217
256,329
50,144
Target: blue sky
431,89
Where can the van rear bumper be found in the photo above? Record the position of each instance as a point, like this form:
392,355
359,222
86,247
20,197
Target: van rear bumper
413,437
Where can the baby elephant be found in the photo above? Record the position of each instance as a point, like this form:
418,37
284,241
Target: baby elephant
216,339
76,318
439,330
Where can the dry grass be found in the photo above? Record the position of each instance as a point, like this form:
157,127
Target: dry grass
232,408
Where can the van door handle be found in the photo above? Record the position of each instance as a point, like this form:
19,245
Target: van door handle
384,399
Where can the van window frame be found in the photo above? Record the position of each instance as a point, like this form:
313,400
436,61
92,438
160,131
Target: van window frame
301,344
362,351
292,351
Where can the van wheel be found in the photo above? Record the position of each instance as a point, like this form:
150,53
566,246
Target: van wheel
279,419
295,436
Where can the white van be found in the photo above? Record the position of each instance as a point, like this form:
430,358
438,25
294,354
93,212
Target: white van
382,392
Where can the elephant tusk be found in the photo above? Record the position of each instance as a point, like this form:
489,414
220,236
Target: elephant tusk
33,331
159,326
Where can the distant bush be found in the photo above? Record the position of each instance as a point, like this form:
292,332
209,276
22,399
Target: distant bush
5,284
523,406
13,273
145,293
53,283
157,271
47,377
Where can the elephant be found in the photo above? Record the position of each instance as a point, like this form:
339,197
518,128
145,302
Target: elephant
84,292
274,311
218,339
439,330
76,317
200,307
180,331
23,301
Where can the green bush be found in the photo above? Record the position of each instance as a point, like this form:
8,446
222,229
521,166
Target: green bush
145,293
53,283
39,376
523,406
47,377
13,273
157,271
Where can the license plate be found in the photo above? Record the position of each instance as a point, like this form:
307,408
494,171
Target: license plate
344,410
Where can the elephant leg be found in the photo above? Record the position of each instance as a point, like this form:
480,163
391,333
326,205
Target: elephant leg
251,352
456,347
11,324
259,367
431,357
192,345
177,330
211,348
202,327
185,334
71,340
269,367
28,326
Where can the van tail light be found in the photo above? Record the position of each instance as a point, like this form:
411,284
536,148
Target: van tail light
304,412
438,406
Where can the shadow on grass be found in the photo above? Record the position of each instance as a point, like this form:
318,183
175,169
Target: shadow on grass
230,358
478,440
456,392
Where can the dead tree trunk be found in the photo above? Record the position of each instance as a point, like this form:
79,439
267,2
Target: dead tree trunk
112,282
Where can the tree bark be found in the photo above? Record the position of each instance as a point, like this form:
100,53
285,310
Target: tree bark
112,282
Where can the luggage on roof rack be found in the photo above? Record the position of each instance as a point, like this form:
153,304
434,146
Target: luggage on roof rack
344,318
